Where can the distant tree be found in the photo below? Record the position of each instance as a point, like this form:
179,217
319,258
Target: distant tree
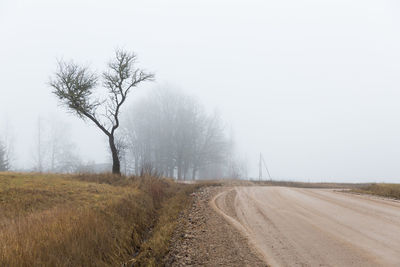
61,155
4,163
6,147
39,152
75,86
53,150
173,133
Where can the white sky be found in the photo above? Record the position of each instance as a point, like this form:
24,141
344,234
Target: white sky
314,85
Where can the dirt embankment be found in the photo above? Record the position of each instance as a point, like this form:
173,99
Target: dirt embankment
205,238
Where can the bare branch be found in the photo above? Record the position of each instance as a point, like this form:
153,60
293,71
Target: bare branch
73,85
120,78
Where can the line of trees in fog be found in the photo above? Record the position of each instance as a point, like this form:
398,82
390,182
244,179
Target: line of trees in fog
171,133
53,149
4,159
167,133
6,150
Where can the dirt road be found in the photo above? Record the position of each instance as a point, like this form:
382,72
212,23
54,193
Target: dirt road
314,227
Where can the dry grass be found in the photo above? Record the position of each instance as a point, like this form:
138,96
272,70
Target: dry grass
385,190
87,220
156,247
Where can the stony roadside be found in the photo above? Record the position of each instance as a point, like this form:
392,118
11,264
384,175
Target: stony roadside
204,238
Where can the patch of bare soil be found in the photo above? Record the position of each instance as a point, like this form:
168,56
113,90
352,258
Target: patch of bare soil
205,238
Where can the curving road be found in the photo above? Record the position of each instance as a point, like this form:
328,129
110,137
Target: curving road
314,227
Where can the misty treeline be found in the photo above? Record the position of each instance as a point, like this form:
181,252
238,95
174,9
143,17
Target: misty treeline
166,133
6,149
4,157
52,148
171,134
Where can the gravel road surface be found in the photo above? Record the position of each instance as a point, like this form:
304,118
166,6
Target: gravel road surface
314,227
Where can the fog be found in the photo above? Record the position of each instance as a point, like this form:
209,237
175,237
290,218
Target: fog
313,85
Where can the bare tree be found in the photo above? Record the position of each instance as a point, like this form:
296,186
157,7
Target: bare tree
75,86
39,150
6,147
53,150
174,134
211,144
62,153
4,163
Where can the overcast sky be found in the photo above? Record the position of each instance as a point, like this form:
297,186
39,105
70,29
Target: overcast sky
313,85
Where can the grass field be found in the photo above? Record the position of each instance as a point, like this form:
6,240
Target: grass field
87,220
385,190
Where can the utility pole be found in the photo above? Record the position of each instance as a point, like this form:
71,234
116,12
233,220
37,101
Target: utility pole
39,148
260,165
260,168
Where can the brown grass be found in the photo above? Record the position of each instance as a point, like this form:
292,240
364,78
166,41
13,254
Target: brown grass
156,247
384,190
87,220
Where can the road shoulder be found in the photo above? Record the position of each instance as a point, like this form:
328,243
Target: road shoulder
205,238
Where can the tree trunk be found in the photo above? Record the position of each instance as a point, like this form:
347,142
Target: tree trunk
194,173
136,165
171,171
179,171
116,167
185,172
